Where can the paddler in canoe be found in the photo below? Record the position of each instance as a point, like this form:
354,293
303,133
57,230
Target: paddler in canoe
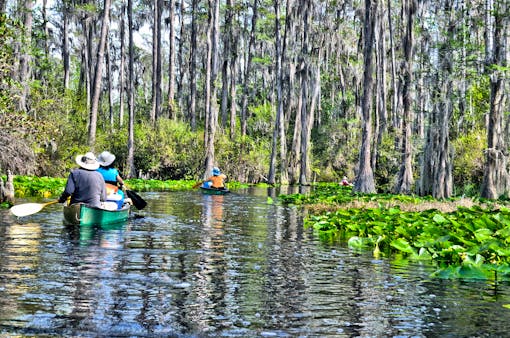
114,182
85,184
214,183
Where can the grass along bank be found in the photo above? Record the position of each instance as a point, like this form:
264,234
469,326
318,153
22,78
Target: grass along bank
52,187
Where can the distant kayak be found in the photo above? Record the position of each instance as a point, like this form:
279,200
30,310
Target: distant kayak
214,191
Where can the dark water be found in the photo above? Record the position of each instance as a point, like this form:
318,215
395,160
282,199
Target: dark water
230,266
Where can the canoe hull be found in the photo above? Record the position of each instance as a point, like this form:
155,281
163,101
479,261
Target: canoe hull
81,214
212,191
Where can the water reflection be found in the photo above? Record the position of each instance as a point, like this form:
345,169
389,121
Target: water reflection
232,265
110,236
20,253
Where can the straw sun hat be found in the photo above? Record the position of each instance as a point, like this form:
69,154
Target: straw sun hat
87,161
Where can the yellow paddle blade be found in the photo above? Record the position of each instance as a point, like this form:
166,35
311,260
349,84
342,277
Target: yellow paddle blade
26,209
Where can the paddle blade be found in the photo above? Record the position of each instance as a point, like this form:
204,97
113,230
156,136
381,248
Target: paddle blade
138,201
26,209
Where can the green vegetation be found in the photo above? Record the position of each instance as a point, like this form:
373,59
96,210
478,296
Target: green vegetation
25,186
463,241
49,187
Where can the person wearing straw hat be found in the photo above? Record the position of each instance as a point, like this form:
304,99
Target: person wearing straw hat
85,184
112,178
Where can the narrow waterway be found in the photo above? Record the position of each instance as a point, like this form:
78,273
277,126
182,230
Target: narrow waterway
191,265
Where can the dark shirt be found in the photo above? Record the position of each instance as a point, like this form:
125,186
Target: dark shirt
85,186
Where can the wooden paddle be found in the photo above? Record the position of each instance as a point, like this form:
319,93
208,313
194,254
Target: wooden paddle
137,200
26,209
196,185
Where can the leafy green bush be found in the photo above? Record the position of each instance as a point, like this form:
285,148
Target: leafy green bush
468,163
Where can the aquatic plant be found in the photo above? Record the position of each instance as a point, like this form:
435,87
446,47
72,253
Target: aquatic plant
25,186
469,242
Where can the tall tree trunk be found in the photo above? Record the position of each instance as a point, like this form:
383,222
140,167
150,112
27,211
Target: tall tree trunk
405,175
24,71
437,163
98,76
171,60
89,60
65,44
46,30
227,43
183,66
156,63
86,60
110,84
247,73
308,120
233,73
130,161
394,96
365,180
233,91
279,124
496,177
381,110
295,156
211,73
282,126
193,66
122,65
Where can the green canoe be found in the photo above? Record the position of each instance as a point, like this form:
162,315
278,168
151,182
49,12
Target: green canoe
81,214
213,191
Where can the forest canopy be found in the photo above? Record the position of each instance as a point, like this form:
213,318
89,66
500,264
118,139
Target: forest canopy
400,96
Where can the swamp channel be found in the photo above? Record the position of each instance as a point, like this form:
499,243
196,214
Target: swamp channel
194,265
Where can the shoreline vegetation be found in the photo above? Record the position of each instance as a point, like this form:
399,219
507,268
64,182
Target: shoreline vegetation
464,237
48,187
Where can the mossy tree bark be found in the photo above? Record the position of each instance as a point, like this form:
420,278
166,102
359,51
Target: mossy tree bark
496,178
365,182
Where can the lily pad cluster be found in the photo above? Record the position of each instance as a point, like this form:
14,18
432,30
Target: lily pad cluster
471,242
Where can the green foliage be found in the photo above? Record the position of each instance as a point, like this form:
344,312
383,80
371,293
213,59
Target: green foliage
478,96
245,158
388,161
157,185
168,150
25,186
468,163
335,150
8,32
261,120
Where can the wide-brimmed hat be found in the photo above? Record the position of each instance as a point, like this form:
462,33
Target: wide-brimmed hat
105,158
216,171
87,161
